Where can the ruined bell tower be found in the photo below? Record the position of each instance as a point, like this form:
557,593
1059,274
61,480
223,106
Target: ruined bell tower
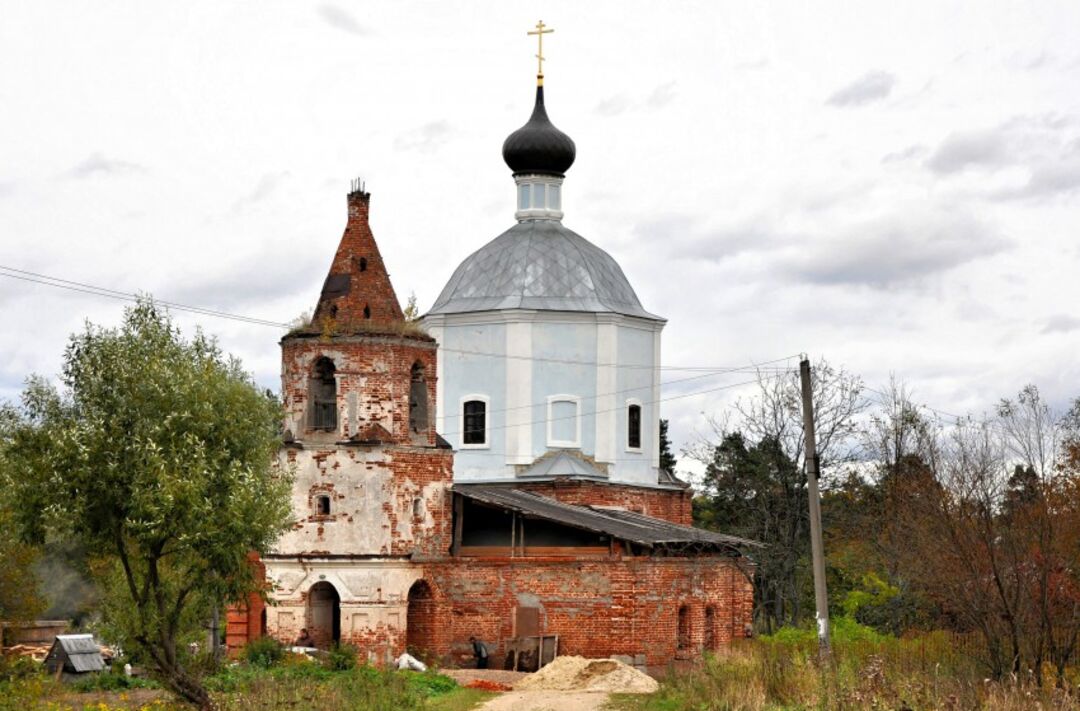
371,494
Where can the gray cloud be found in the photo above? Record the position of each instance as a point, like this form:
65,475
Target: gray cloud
662,95
98,164
909,153
903,247
342,20
425,139
1047,147
958,151
1061,323
870,87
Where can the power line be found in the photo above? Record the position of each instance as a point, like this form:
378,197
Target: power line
85,288
620,408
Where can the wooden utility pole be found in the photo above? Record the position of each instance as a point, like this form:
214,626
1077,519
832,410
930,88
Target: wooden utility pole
817,544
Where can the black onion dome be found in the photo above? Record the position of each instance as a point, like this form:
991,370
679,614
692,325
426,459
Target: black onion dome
539,147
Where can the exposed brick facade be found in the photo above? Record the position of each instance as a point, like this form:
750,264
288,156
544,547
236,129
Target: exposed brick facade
599,607
369,559
675,505
357,291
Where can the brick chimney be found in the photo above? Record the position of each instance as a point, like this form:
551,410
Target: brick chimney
357,294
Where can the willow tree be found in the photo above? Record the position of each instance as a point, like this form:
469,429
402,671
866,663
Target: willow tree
156,453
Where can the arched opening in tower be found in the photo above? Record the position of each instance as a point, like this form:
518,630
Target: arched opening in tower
420,620
418,402
324,614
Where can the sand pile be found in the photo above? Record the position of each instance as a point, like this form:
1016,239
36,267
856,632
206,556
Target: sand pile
580,674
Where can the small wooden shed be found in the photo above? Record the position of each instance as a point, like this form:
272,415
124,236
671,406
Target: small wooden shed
74,654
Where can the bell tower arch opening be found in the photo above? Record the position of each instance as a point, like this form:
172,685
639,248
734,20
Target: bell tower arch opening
324,614
420,622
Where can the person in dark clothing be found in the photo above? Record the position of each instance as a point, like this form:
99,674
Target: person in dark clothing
479,650
304,640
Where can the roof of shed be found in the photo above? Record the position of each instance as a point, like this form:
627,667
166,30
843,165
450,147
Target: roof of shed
619,523
82,652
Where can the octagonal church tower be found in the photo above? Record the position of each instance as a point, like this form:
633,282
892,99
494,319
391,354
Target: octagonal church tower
549,362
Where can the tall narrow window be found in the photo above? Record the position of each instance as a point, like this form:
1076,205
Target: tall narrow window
523,197
633,426
418,400
323,395
554,197
363,264
474,418
710,628
539,199
683,641
322,505
367,311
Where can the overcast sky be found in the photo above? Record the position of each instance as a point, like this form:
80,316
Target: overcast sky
895,186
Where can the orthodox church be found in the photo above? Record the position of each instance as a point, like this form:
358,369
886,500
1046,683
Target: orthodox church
493,470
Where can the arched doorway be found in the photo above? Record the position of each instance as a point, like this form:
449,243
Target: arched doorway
324,614
420,620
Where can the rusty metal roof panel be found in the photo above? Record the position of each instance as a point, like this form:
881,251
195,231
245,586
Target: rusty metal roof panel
626,525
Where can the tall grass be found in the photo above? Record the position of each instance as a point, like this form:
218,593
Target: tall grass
929,672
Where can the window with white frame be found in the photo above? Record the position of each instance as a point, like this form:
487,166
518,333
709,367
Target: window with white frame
564,421
633,425
474,422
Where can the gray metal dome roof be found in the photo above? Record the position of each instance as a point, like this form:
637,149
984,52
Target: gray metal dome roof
539,264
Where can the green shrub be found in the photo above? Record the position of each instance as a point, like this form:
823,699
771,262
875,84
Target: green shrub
17,667
264,652
341,657
111,681
429,683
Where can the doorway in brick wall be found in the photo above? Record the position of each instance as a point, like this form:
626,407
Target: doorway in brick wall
420,620
324,614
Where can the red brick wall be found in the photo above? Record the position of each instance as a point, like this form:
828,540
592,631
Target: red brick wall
243,623
368,287
376,368
668,504
598,607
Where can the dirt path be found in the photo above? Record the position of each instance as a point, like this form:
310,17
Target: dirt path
547,701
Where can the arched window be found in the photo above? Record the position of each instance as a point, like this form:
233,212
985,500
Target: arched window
633,426
683,641
367,311
474,422
324,395
363,264
322,505
418,400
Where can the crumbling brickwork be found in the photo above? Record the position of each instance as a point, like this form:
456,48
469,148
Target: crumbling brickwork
675,505
357,292
601,607
369,559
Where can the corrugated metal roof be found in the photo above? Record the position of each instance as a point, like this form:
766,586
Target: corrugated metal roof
78,652
626,525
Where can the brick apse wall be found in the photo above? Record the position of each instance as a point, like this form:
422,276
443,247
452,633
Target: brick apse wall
601,607
673,505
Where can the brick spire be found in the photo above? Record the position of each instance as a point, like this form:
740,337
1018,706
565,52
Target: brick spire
357,294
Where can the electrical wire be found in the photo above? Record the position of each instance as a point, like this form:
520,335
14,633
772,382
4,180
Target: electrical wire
85,288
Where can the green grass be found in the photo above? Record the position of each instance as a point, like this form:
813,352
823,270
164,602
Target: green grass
889,673
460,699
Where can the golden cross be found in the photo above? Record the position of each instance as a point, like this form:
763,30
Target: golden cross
540,32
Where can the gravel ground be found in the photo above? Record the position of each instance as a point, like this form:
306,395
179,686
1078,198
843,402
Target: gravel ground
464,676
547,701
